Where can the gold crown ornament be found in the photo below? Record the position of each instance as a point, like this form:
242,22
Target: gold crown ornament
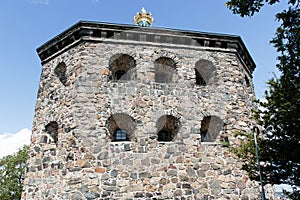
143,18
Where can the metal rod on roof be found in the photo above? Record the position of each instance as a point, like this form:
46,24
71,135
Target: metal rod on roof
256,131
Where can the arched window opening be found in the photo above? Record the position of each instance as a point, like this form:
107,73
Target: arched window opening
165,68
247,81
167,127
211,127
44,139
122,67
204,70
52,130
121,127
60,72
199,79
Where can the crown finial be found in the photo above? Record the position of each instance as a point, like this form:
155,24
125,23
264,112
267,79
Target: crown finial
143,18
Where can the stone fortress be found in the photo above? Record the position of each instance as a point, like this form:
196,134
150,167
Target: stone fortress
135,112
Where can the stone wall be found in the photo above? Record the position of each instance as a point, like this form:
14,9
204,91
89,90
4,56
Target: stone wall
85,163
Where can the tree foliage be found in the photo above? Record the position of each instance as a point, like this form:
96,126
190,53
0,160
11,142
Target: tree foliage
12,168
248,7
280,115
246,151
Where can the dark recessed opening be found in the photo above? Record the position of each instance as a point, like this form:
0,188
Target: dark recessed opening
167,126
164,135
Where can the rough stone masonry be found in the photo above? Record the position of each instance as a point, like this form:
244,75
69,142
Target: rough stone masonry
140,113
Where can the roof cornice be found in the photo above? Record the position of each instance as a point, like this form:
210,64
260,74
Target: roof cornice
100,31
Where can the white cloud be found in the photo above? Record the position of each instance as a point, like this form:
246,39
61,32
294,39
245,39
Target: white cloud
11,143
279,188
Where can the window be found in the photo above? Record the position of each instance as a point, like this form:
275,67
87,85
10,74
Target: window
211,126
165,68
44,139
204,70
52,130
121,127
122,67
121,135
167,126
247,81
60,72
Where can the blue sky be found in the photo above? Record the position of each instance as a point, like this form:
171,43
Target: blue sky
27,24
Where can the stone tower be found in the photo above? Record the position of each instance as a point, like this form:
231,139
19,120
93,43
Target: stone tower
127,112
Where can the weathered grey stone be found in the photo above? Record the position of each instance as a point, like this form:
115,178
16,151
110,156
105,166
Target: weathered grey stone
134,188
105,177
177,193
65,196
133,175
74,169
215,185
138,195
114,173
185,135
127,161
155,161
84,189
141,150
241,184
142,142
172,172
183,178
74,181
145,175
215,191
102,155
105,193
146,162
46,159
112,188
228,191
191,172
77,196
200,173
171,149
126,147
226,172
91,195
186,186
97,149
86,142
250,191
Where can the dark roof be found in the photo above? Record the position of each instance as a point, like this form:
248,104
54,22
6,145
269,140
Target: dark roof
99,31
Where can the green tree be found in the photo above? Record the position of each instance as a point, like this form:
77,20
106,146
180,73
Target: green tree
12,168
280,115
